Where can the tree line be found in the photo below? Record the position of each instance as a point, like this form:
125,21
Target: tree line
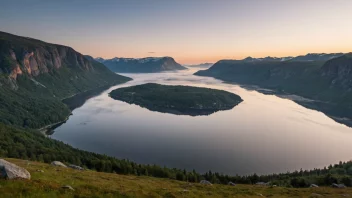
31,145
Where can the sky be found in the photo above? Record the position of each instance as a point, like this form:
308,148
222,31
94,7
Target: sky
191,31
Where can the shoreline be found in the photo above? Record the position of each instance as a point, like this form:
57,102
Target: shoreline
300,100
43,130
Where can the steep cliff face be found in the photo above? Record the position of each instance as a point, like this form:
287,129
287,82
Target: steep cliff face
141,65
35,76
339,71
56,67
36,57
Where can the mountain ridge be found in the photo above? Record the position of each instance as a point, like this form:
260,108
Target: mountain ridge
35,76
141,65
326,80
303,58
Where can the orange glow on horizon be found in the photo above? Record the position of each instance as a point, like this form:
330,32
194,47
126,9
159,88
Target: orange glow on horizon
236,56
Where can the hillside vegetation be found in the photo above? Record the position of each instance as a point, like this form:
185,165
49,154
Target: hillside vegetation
35,76
31,145
47,181
325,81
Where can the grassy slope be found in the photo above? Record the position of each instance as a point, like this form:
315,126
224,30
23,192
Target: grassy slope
96,184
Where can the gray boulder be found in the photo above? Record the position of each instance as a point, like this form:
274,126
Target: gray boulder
338,185
67,187
75,167
205,182
314,186
57,163
12,171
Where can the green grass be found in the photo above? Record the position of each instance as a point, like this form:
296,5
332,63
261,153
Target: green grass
96,184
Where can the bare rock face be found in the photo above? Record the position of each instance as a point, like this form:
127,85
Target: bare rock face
40,58
57,163
12,171
14,73
26,62
17,70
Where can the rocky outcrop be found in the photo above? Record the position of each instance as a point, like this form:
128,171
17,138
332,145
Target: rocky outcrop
338,185
15,72
314,186
57,163
12,171
75,167
36,57
35,76
13,65
67,187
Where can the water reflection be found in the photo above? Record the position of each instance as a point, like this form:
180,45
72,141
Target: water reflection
263,134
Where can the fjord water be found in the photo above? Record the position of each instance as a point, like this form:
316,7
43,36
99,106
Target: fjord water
263,134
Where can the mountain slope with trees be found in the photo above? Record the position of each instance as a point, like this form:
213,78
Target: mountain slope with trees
35,76
327,83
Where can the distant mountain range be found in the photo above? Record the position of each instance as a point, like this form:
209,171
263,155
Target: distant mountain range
206,65
141,65
35,76
302,58
324,78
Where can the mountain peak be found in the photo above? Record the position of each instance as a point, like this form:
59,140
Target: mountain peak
142,65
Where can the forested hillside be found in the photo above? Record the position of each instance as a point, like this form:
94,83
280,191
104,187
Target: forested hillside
325,81
35,76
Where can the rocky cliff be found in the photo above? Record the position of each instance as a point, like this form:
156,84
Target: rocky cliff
35,76
339,72
33,58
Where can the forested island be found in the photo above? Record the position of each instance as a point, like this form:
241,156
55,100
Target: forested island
179,100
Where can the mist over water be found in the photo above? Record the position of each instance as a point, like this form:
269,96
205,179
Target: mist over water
263,134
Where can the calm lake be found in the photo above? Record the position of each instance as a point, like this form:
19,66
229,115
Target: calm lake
263,134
